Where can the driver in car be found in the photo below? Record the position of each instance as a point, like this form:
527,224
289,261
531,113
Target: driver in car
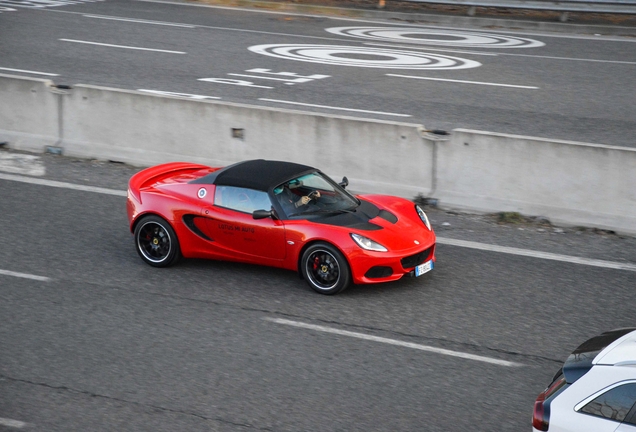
289,200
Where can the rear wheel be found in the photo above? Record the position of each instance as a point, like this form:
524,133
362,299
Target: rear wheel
325,269
156,242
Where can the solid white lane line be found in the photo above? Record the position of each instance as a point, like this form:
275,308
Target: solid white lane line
64,185
334,108
463,81
569,58
140,21
536,254
24,276
122,46
393,342
28,71
183,95
440,240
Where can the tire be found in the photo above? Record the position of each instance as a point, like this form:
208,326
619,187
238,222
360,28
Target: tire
156,242
325,269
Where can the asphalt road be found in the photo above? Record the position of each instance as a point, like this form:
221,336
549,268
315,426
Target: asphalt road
564,86
94,339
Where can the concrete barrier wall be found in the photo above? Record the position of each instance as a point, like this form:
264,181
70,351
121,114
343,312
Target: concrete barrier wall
569,183
145,129
28,112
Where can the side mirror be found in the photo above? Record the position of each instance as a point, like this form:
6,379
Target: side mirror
344,183
261,214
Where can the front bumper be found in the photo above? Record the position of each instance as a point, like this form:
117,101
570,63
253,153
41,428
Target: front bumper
376,267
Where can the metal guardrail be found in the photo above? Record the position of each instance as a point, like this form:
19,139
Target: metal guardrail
564,6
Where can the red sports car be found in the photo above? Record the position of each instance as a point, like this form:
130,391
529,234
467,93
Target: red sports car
278,214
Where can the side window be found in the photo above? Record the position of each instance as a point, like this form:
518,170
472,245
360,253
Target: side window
614,404
241,199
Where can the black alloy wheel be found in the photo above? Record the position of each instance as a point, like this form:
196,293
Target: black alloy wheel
156,242
325,269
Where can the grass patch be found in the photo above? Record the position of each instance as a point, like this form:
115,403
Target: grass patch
510,217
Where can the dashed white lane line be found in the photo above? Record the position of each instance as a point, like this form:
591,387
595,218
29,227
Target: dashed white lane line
394,342
64,185
440,240
335,108
463,81
24,275
535,254
122,46
139,21
28,71
17,424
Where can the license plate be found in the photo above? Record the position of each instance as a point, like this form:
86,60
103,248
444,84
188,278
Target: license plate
424,268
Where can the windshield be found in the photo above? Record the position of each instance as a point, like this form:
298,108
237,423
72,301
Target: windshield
313,193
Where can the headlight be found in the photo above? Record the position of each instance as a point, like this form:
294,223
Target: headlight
424,218
368,244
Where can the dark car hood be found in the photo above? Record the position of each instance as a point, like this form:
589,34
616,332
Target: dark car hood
390,221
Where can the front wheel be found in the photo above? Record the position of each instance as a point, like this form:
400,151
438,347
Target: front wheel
325,269
156,242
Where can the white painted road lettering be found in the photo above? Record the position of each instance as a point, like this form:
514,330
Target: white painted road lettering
288,74
241,83
290,78
395,342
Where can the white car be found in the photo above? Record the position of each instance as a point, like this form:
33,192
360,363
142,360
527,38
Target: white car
595,390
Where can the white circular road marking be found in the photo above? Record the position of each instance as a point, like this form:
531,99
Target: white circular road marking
364,57
438,37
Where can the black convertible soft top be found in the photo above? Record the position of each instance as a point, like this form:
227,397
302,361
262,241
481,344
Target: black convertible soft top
256,174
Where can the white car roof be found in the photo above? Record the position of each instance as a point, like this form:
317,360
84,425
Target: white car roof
620,352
